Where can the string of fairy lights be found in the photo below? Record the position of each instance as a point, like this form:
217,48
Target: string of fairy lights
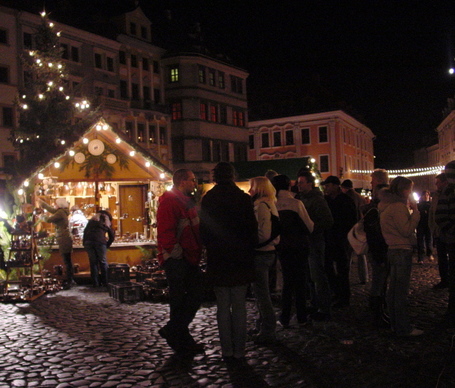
408,172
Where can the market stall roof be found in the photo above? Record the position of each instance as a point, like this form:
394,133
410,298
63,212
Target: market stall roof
289,167
103,154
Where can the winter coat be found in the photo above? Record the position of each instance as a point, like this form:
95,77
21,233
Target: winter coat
96,231
262,209
229,231
60,219
398,224
344,216
295,222
317,209
178,228
445,214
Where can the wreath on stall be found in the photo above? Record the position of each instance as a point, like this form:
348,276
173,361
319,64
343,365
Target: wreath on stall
97,159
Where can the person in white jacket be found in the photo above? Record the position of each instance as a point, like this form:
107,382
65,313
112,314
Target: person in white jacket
296,226
399,217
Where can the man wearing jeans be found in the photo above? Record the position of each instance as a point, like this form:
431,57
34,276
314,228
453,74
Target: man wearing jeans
179,253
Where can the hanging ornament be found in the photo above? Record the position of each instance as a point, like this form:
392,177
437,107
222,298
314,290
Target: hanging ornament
96,147
79,157
111,158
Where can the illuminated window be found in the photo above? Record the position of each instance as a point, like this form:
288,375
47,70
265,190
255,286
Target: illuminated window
176,109
201,74
221,82
203,114
238,118
152,134
213,113
174,74
212,79
140,132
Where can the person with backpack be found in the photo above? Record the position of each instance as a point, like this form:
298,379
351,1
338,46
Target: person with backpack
263,194
293,250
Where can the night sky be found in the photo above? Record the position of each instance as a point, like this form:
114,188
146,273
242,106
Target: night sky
385,62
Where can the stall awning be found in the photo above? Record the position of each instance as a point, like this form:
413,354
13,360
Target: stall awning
289,167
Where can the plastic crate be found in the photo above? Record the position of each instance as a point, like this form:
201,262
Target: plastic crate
126,292
118,273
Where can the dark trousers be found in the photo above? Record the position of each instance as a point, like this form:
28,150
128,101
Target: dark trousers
293,266
68,266
185,297
451,279
424,242
443,261
337,267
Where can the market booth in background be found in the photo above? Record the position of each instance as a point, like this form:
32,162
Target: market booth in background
103,171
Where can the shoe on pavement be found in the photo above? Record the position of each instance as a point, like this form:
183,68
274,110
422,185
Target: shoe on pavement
320,317
415,333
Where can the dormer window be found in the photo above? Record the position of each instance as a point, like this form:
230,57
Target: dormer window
133,28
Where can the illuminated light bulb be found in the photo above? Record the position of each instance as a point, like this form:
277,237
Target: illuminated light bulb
20,191
77,104
51,24
43,13
26,183
147,164
59,66
85,140
56,164
24,96
40,96
62,142
25,106
99,127
60,88
32,53
118,140
169,188
38,60
451,70
50,83
316,181
162,176
40,175
59,33
105,127
37,136
50,64
132,153
21,141
67,97
40,64
72,153
312,160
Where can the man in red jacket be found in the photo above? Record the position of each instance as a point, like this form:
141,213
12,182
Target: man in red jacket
179,253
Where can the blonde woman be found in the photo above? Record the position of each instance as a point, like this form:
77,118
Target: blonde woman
264,197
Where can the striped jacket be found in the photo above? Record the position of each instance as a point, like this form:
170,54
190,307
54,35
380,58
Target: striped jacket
445,214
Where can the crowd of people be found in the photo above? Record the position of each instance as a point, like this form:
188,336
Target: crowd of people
304,229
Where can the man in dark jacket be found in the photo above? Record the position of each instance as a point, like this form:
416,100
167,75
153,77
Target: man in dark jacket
96,245
229,231
344,216
320,214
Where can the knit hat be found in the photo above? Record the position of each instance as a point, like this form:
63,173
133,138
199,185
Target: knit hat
61,203
449,170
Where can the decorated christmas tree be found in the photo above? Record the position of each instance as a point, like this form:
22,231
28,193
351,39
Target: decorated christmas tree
50,117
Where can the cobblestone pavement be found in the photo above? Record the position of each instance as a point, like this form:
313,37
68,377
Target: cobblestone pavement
84,338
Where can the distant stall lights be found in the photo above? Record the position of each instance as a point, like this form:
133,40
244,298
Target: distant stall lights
435,170
451,70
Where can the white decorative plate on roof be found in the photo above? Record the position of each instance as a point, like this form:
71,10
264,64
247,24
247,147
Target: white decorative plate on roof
96,147
111,158
79,157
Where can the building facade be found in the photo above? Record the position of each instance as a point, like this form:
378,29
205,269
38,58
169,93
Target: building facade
339,143
137,88
208,103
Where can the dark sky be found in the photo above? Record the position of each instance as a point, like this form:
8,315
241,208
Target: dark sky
385,61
